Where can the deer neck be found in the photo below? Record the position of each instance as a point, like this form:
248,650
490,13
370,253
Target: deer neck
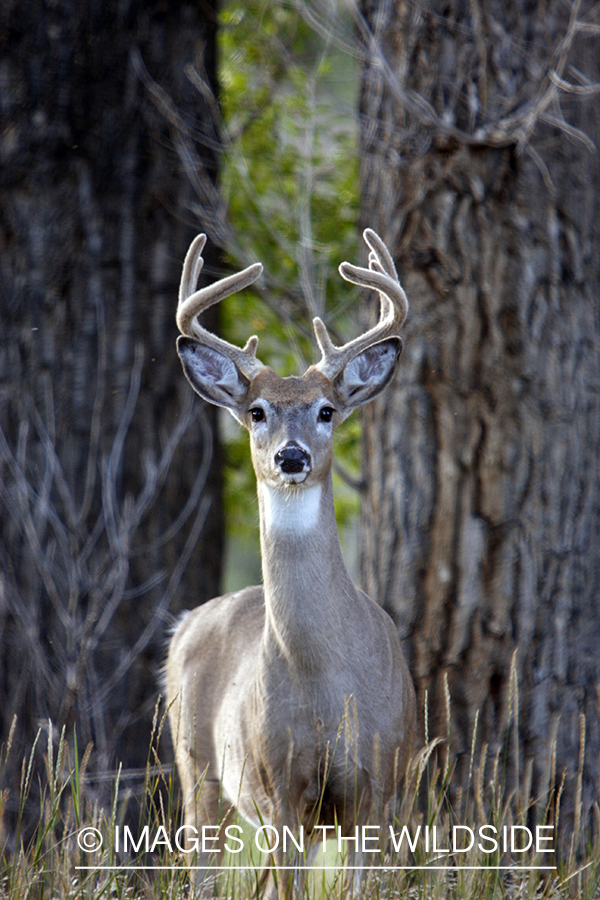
306,584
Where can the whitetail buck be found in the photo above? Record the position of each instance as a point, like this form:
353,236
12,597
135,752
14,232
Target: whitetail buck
290,702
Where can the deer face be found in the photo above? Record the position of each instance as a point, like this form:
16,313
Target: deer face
290,420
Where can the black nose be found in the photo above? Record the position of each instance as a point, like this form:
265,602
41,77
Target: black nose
291,459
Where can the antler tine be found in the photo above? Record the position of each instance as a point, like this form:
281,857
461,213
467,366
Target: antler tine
193,302
192,266
382,277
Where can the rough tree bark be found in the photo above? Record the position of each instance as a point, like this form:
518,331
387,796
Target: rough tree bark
95,218
481,513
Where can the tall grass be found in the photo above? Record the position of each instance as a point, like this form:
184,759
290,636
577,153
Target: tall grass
77,847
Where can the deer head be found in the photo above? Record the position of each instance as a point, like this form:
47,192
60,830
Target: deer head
293,416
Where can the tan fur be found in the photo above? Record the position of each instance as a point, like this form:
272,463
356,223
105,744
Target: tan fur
291,702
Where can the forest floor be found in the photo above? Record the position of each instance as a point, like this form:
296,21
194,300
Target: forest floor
472,841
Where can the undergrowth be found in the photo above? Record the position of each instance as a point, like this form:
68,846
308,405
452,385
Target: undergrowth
78,849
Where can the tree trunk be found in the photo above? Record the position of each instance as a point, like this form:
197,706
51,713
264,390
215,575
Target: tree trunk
110,485
482,463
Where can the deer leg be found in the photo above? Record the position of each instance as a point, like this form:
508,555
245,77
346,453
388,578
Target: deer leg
287,866
205,812
355,873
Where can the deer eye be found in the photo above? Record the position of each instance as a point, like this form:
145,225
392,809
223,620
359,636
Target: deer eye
326,414
258,414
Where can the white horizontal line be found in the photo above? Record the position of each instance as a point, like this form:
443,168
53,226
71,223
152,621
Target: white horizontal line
318,868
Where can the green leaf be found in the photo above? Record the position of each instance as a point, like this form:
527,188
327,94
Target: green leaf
289,178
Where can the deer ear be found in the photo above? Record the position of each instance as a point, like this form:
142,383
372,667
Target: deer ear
367,373
212,374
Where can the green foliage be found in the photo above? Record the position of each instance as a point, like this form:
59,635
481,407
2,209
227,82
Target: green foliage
290,175
289,179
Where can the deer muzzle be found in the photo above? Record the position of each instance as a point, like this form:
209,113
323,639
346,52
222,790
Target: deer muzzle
292,459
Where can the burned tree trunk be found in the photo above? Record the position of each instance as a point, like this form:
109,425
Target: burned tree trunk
481,512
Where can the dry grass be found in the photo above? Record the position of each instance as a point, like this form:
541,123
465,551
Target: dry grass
56,862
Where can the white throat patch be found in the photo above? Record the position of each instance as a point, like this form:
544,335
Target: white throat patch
291,511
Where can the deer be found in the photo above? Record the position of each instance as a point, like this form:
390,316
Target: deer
291,702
